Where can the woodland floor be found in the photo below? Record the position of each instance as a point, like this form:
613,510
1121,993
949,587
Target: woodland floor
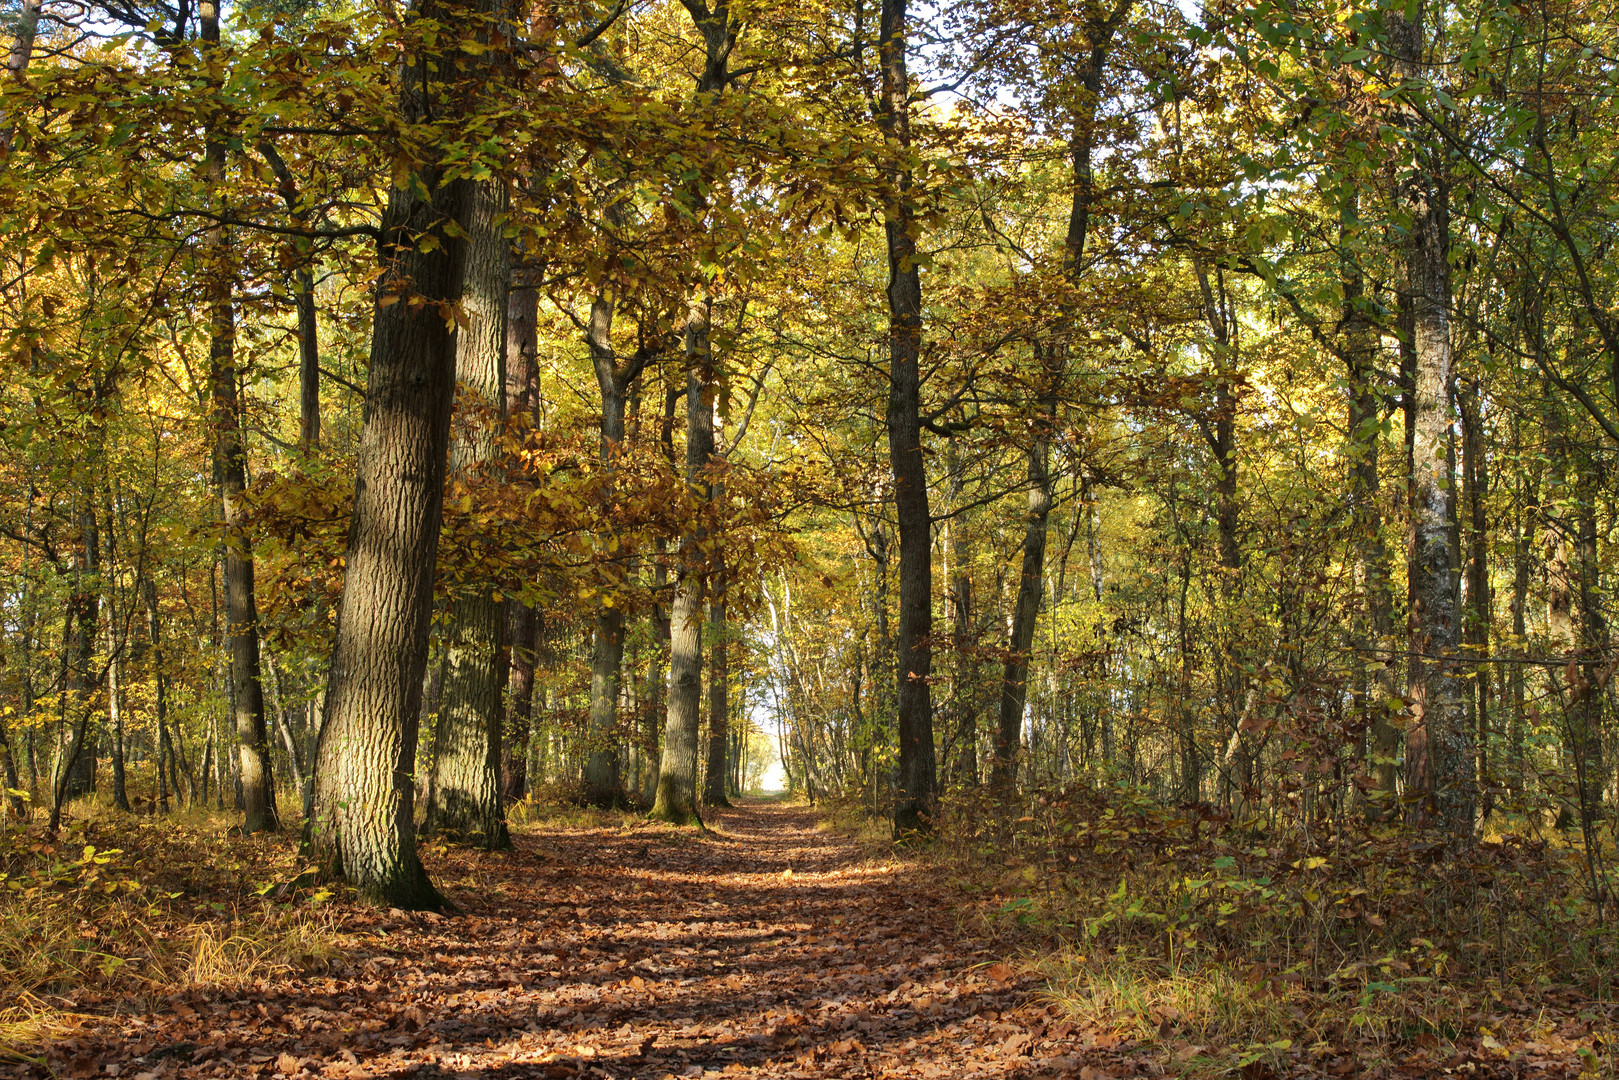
767,948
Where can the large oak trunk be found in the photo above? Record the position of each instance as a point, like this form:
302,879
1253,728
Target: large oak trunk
466,798
363,826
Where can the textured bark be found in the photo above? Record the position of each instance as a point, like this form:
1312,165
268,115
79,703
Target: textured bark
676,799
466,798
917,774
521,626
522,622
719,708
677,771
602,785
363,825
1439,758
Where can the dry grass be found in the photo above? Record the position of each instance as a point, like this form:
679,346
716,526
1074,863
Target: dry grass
117,907
1213,947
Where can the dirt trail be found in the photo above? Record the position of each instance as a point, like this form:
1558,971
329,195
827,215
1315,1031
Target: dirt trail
769,949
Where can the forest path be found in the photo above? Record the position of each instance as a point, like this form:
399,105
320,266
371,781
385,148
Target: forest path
638,951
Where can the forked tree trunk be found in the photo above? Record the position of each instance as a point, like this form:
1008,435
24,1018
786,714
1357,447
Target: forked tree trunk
363,826
466,799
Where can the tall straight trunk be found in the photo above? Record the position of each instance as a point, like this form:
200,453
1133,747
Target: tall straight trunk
661,648
363,825
1481,609
676,799
1562,588
73,772
160,692
466,799
115,720
522,621
1522,547
308,360
1093,560
1587,681
1053,356
677,771
1025,613
917,774
230,474
1374,633
964,684
1439,758
602,784
719,708
22,48
522,625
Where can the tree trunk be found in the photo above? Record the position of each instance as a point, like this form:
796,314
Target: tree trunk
1481,610
522,622
1439,760
364,826
719,709
917,777
677,772
602,784
230,474
308,361
73,773
115,721
160,702
1522,546
1025,614
22,49
1375,634
466,799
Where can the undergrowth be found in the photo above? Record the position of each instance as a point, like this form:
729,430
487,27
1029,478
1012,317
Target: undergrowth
114,908
1221,944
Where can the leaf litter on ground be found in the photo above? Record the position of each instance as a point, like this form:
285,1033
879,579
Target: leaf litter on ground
768,947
